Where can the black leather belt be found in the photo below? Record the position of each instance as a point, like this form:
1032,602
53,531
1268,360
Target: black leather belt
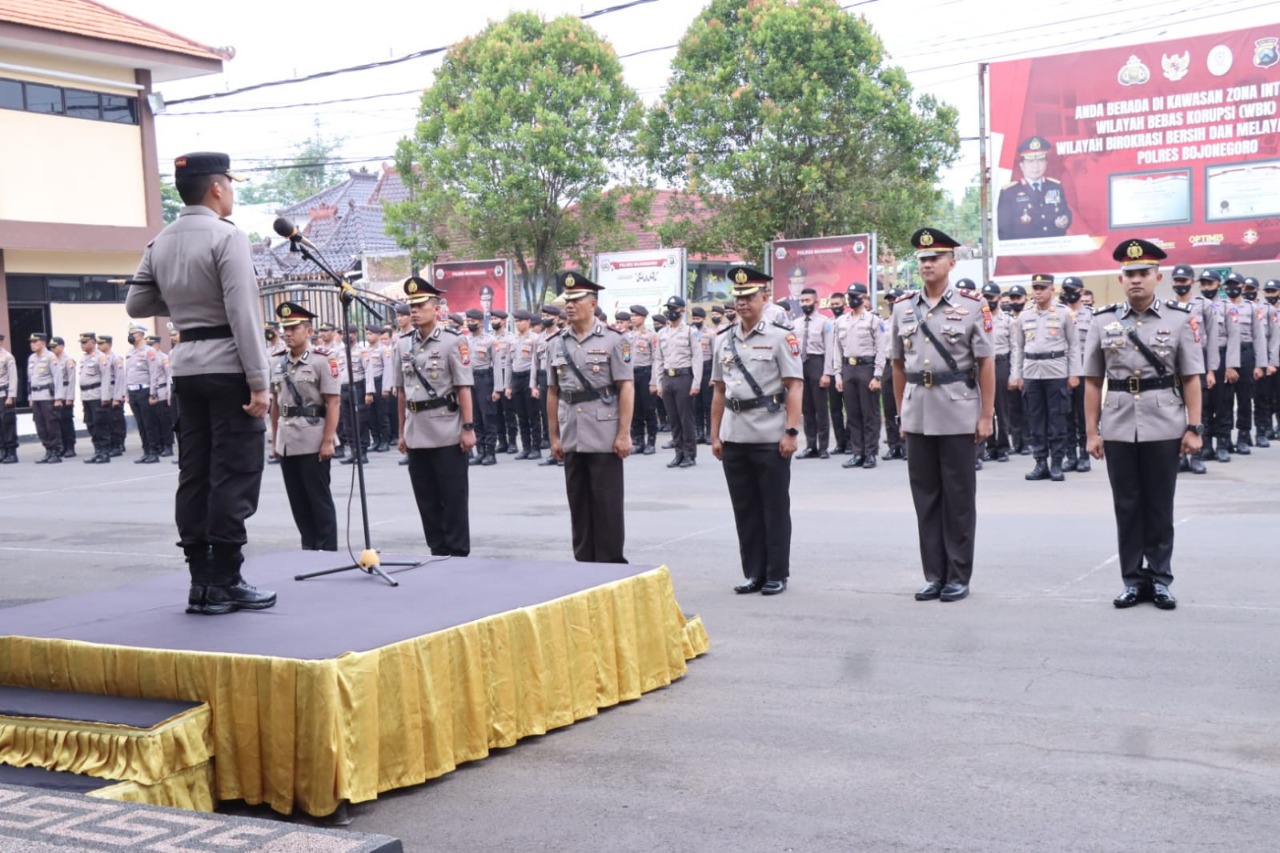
1002,356
929,378
860,360
575,397
679,371
1134,385
42,388
204,333
427,405
476,370
88,387
736,405
1044,356
303,411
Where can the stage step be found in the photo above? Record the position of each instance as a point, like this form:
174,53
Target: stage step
131,750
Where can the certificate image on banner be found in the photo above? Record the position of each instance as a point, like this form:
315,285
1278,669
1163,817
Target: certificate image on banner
1242,191
1139,199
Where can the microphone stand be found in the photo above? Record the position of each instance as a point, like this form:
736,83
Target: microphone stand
369,562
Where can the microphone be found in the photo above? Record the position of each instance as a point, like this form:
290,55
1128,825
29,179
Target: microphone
290,232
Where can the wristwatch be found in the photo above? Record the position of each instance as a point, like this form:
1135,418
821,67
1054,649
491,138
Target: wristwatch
1198,429
792,431
468,426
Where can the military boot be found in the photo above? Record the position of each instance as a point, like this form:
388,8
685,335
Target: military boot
1055,470
1040,472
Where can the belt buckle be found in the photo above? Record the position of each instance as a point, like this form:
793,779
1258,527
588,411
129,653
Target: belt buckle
671,371
734,405
1134,385
927,377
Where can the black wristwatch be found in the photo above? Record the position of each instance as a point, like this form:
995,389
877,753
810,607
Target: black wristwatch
792,431
1198,429
468,426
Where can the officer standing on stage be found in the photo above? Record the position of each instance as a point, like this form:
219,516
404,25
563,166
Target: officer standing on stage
44,379
755,416
139,377
199,271
590,402
1082,318
160,399
306,388
66,414
815,334
432,369
677,375
644,424
1202,310
8,405
1001,339
95,397
1249,351
1150,354
1046,357
944,379
857,360
484,399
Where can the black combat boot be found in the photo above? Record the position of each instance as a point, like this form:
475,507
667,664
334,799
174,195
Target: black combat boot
1055,470
1040,472
227,591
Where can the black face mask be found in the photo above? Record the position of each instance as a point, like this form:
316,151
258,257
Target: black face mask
1273,299
717,319
1071,297
495,326
672,313
696,322
731,315
837,310
473,328
1208,292
1015,307
1182,289
993,304
808,309
855,301
1233,292
1007,308
1251,295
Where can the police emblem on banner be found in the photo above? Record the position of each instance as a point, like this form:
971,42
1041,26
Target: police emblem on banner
1266,52
1134,73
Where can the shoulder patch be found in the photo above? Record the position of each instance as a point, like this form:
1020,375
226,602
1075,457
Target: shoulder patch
1110,309
987,322
969,294
1010,185
1178,306
452,332
464,352
793,343
333,367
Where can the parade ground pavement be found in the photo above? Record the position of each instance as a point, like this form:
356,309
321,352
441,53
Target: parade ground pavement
842,715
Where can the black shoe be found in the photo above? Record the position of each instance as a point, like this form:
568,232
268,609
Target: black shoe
168,451
1084,466
807,453
1271,435
688,462
664,428
773,588
1040,472
45,459
675,463
954,592
1071,463
985,456
930,591
228,599
70,453
474,459
1242,446
1161,597
339,453
196,598
502,448
271,460
977,464
545,444
404,460
1221,454
549,460
148,459
1024,450
649,450
9,459
890,454
55,459
512,449
750,586
534,454
96,458
854,461
1132,595
702,439
523,454
362,459
1262,442
869,462
114,452
1002,456
822,454
1055,470
1195,463
487,459
669,445
841,450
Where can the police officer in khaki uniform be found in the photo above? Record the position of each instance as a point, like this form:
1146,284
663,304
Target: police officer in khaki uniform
1202,310
895,447
944,377
857,360
677,376
522,389
66,414
95,397
755,418
484,398
1002,341
306,388
816,335
8,405
432,371
590,400
119,395
1150,355
1217,413
1046,355
199,271
702,407
139,378
1267,398
1082,318
644,425
1249,352
44,381
161,396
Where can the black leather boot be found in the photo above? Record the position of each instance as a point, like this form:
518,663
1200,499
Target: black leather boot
227,591
1040,472
1055,470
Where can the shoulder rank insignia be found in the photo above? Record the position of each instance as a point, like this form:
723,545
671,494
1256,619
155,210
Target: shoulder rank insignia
1178,306
971,294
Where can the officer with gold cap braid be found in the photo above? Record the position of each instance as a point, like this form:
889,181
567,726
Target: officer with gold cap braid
944,378
755,418
591,395
1150,355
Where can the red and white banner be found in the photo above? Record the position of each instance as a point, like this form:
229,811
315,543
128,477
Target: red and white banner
1177,142
474,284
827,264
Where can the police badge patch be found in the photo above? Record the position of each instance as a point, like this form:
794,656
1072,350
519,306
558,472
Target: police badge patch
1266,52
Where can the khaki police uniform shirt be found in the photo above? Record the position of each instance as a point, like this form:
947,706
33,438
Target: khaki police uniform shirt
444,360
160,390
643,343
524,349
1248,319
315,374
1202,311
140,368
604,359
95,377
770,353
1273,337
359,375
8,375
857,335
202,267
482,353
67,365
677,348
1049,331
1002,330
119,389
816,334
1173,335
1226,334
962,323
503,348
44,377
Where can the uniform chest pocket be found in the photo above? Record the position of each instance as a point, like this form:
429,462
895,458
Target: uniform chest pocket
1114,341
760,356
305,374
951,334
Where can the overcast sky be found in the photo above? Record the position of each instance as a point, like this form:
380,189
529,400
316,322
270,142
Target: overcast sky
939,43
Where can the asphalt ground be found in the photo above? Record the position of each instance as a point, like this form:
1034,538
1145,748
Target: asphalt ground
842,715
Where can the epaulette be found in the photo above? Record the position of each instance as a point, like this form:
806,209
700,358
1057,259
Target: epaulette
1010,185
969,294
904,297
610,326
452,331
1053,180
319,350
1175,304
1110,309
786,326
557,333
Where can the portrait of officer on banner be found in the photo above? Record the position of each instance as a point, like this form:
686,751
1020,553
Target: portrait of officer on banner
1035,205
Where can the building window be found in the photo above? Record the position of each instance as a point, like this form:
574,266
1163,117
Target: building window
76,103
25,288
40,289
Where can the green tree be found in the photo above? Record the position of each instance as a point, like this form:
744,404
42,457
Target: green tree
961,219
310,170
784,118
522,130
170,201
